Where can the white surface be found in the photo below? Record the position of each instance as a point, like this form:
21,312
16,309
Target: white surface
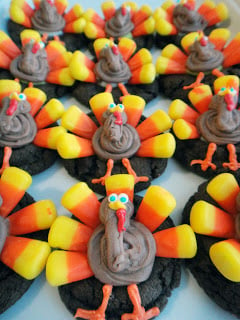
187,302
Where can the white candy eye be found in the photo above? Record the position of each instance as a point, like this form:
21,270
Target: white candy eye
121,106
112,197
22,96
111,106
42,44
123,198
232,90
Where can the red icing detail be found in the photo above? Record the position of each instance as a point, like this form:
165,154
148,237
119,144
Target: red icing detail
189,6
115,50
204,41
130,170
50,2
121,215
124,11
229,99
36,47
12,107
6,158
197,83
118,117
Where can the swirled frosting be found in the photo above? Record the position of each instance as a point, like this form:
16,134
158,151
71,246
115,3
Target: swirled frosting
114,141
187,20
218,124
47,19
121,258
203,57
120,24
29,66
111,67
19,128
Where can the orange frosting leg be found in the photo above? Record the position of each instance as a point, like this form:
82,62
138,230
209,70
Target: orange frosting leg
139,312
207,162
233,164
100,312
130,170
197,83
6,158
101,180
123,89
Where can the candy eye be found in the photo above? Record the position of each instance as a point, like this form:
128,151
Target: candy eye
121,106
111,106
22,96
123,197
42,44
112,197
222,89
232,90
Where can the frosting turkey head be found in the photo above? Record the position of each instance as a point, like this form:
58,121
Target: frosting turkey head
228,88
17,126
32,64
113,120
111,68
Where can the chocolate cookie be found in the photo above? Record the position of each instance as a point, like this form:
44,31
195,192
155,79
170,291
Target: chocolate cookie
155,291
211,146
114,65
175,20
12,285
221,290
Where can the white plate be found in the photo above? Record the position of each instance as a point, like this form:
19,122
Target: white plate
187,302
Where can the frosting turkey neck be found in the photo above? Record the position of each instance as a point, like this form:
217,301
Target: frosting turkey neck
120,24
187,20
203,57
111,68
115,141
18,128
121,258
31,65
218,124
47,19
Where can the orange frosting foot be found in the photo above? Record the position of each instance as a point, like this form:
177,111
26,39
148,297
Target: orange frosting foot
6,158
101,180
130,170
207,162
233,164
98,314
139,312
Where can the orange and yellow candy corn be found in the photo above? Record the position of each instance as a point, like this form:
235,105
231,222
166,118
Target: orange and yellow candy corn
185,130
69,234
158,203
48,138
13,184
83,203
37,216
74,267
26,257
210,220
176,242
78,122
51,112
161,146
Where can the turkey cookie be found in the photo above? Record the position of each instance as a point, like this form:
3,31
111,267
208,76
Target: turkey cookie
47,67
23,247
208,131
27,126
126,21
51,17
115,64
174,19
116,262
114,141
177,69
213,213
